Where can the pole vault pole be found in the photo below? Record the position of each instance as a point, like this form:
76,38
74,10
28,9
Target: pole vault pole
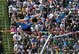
55,37
45,44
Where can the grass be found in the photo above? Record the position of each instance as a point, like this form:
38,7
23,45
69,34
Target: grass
7,39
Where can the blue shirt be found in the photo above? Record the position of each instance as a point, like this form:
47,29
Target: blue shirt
62,15
57,20
24,26
28,17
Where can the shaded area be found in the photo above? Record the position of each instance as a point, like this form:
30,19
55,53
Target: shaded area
1,46
0,23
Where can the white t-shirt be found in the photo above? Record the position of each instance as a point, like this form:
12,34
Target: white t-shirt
37,27
40,1
32,29
15,47
19,29
24,3
50,15
16,37
62,25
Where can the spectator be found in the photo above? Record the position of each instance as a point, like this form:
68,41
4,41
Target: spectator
34,20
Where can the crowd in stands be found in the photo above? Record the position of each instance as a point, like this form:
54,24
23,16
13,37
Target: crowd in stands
32,21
